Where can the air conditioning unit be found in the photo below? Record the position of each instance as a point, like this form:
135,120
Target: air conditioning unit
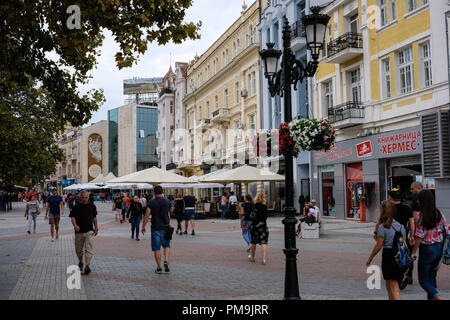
244,93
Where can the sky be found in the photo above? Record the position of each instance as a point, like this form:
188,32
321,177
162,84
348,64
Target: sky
216,16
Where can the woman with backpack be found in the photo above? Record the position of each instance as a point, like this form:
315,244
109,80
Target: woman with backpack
431,228
258,229
179,211
385,235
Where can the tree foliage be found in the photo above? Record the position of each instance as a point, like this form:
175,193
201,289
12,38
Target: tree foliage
40,52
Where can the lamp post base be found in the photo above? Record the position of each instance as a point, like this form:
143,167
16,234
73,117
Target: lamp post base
291,289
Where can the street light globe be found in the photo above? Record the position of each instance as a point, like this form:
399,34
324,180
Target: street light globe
315,26
270,59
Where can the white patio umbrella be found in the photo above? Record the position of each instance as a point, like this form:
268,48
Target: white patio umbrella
152,176
110,176
99,179
244,174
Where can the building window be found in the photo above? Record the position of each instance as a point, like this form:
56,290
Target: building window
406,70
329,37
171,107
393,10
249,84
354,24
253,83
200,115
207,109
237,131
216,101
411,5
225,98
251,122
234,49
356,84
236,92
387,78
328,94
223,59
426,58
383,12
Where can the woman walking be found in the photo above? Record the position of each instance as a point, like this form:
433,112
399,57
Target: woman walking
258,229
387,227
247,207
431,228
117,208
135,211
179,211
31,212
223,205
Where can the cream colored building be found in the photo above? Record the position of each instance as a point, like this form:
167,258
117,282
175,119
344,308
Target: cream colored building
222,101
94,151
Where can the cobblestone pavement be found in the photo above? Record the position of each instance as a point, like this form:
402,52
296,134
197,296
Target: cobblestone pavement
211,265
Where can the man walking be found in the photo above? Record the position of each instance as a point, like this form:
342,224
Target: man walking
189,212
55,205
84,221
416,189
159,208
233,202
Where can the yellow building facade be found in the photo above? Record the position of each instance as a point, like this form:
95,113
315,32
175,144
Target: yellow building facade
223,100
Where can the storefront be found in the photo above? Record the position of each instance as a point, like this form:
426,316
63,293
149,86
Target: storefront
352,179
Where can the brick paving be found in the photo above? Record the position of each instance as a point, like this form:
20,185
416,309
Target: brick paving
212,265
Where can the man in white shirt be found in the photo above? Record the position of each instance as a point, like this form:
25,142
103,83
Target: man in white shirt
233,202
143,200
316,209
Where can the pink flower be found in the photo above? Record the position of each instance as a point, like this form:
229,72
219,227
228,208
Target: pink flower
326,138
323,128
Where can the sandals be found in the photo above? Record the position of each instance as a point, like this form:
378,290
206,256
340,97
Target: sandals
251,259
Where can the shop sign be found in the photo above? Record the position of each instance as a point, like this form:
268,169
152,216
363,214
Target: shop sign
364,149
387,145
397,143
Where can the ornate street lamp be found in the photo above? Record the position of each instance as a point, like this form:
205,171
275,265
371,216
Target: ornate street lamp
293,70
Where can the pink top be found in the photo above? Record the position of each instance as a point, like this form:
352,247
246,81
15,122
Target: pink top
434,235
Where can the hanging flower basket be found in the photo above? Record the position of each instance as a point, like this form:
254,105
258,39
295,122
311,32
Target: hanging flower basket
287,142
313,134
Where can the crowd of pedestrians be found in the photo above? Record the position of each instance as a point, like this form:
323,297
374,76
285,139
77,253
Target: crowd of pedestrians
421,228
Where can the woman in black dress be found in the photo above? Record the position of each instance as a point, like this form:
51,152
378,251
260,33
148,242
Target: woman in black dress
258,229
179,211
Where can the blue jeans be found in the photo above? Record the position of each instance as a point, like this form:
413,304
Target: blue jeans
428,260
224,209
246,233
135,222
158,240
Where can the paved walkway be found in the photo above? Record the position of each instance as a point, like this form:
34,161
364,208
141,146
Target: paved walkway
211,265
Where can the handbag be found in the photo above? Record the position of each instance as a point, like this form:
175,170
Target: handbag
169,233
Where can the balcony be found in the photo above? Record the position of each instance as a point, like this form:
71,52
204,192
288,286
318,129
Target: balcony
345,48
203,124
347,114
298,38
221,116
73,157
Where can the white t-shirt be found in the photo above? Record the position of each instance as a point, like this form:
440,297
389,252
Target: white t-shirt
144,202
233,199
313,212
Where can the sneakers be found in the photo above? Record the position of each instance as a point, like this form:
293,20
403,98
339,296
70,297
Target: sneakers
132,237
249,248
29,232
193,233
87,270
158,271
185,232
251,259
80,265
166,266
137,239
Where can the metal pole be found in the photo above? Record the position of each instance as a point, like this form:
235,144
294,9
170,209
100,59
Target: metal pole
291,291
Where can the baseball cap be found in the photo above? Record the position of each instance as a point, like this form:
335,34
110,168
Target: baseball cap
395,193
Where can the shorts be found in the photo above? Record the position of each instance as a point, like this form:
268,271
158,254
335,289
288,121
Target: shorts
189,214
83,242
389,267
54,218
158,240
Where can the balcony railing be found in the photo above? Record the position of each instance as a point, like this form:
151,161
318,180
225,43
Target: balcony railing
221,115
297,30
346,41
349,110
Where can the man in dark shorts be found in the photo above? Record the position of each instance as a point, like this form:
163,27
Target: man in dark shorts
84,221
189,212
55,205
159,208
405,217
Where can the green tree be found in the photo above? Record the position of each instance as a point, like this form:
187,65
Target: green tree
44,58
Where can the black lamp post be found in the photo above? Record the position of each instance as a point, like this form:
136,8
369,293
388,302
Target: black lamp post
293,70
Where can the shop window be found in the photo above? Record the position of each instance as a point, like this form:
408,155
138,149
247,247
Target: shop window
328,191
402,172
354,189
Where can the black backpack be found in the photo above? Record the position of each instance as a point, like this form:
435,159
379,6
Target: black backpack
401,253
310,219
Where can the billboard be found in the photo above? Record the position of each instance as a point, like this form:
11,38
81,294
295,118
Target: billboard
95,161
141,85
